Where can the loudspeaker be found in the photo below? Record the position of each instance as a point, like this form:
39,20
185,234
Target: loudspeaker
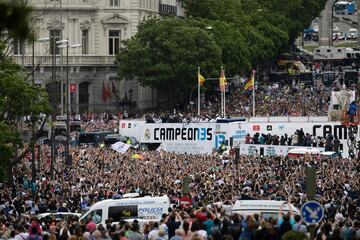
261,151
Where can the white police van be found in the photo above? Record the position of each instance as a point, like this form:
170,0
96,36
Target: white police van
128,209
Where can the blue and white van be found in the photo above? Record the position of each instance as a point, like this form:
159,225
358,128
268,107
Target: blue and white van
128,209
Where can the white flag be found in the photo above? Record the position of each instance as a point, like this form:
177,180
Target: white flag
120,147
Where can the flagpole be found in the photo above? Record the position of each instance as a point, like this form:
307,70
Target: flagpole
254,93
221,96
198,91
224,98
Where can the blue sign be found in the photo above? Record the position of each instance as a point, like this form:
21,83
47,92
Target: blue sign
312,212
219,139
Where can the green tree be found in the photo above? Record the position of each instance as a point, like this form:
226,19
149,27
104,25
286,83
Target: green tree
165,54
18,99
235,54
289,18
246,34
21,104
9,139
14,16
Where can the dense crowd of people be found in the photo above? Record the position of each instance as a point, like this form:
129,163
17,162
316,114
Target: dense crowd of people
101,173
280,101
100,122
271,100
299,138
215,181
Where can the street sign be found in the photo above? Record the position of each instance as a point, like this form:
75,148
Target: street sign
72,88
312,212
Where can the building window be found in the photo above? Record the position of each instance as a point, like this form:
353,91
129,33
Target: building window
54,37
19,47
114,41
114,3
85,41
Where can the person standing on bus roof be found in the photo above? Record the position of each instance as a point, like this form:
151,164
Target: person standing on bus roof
352,111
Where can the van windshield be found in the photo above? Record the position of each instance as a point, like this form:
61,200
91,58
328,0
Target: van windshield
117,213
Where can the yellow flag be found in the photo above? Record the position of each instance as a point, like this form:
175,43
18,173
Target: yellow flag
222,81
250,84
201,79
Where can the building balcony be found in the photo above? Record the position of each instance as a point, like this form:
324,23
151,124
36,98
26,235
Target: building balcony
65,5
74,60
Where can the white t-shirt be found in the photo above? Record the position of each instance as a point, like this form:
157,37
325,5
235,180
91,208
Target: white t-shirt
339,217
22,236
153,234
202,233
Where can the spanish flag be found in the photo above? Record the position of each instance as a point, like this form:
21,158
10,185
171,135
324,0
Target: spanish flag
250,84
222,81
201,79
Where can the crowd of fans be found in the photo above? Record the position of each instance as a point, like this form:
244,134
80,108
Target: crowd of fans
271,100
299,138
100,122
100,173
280,101
215,181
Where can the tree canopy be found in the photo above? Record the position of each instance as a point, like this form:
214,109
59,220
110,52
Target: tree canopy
20,102
166,54
237,34
14,16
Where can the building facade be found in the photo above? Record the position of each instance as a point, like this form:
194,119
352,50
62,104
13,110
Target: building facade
99,26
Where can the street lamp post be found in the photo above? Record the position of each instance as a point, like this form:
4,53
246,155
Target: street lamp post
33,169
67,46
52,162
33,172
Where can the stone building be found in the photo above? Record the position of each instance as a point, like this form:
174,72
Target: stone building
99,26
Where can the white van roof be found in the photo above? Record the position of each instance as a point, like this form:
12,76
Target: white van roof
131,195
329,154
127,201
247,206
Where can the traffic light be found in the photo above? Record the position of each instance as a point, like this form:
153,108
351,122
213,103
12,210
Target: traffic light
358,145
